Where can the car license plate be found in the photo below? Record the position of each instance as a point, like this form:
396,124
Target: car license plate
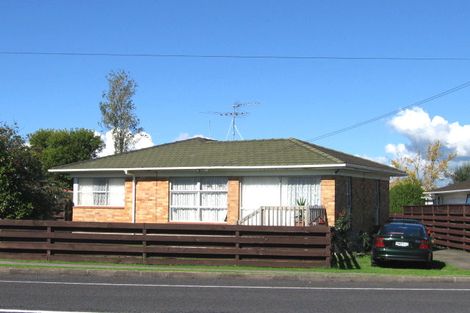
401,244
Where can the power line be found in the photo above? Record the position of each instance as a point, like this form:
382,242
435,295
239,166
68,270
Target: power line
368,121
229,56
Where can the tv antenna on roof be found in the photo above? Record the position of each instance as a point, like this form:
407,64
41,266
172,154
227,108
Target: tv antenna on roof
234,114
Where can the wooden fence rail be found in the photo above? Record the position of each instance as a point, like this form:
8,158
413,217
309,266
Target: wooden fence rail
166,243
449,224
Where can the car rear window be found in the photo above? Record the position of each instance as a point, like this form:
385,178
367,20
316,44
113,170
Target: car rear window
408,230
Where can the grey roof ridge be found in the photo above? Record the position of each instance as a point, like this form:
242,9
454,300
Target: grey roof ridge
132,151
312,147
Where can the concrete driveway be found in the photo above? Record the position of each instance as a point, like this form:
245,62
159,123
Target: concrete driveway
457,258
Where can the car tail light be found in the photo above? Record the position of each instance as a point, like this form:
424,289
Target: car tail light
379,242
424,245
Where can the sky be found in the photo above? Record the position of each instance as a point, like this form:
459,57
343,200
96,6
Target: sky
301,98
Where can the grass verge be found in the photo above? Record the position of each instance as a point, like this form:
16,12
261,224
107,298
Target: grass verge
363,267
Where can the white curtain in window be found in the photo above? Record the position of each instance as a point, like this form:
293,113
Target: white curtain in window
184,199
300,187
85,191
213,215
260,191
100,191
214,183
213,200
184,214
184,184
198,199
116,193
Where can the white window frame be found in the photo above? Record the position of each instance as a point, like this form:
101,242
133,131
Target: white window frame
198,194
107,192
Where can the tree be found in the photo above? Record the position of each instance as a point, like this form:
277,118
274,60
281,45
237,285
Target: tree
117,110
428,169
461,173
405,192
57,147
22,193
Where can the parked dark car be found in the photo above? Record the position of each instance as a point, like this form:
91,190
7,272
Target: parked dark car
402,240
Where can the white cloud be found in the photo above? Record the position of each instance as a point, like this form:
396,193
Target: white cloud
141,140
420,128
399,149
184,136
378,159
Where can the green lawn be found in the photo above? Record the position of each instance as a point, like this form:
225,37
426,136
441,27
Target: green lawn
361,266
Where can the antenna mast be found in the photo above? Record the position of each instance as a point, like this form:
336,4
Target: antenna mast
233,124
234,114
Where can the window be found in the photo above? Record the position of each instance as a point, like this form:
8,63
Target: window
467,201
100,192
198,199
278,191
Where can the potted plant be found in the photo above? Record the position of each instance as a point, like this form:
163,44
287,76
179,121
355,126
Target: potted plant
299,214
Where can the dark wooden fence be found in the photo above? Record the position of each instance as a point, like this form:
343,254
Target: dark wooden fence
166,243
449,224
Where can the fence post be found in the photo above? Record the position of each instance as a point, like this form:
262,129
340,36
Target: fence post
262,216
465,236
328,248
144,245
49,242
448,221
237,246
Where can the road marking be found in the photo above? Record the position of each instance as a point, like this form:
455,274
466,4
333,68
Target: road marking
38,311
34,282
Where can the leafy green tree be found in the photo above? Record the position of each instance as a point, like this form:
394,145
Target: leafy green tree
461,173
117,110
58,147
22,192
405,192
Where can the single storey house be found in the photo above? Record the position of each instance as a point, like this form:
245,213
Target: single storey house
208,181
458,193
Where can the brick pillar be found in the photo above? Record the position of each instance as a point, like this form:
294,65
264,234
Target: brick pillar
233,200
328,198
146,202
163,203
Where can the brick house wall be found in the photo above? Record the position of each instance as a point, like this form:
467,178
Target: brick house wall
152,202
328,199
363,201
233,200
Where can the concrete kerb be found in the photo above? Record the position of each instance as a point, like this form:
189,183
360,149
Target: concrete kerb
262,276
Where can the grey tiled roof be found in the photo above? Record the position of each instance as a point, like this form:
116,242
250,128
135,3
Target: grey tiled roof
458,186
201,152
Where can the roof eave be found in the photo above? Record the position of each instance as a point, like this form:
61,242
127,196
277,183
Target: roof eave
391,172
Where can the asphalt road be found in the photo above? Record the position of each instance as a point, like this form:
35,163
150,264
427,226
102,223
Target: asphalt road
140,294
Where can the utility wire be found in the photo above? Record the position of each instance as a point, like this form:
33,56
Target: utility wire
230,56
371,120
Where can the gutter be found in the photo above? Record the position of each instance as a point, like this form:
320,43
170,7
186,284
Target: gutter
343,165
